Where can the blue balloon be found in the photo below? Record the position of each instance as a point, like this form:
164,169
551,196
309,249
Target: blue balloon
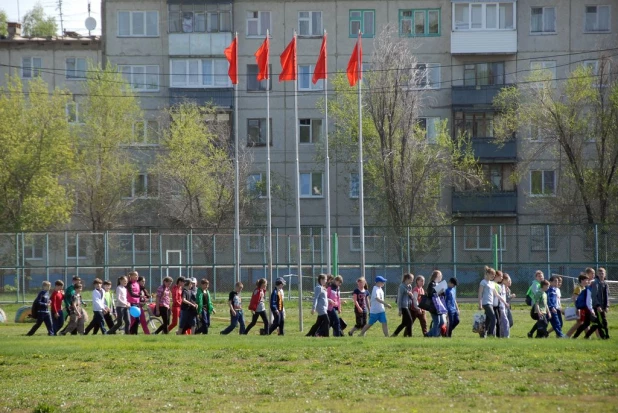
135,312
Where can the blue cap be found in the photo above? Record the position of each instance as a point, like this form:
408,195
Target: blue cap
380,279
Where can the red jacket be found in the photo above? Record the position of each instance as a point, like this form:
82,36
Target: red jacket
176,296
56,301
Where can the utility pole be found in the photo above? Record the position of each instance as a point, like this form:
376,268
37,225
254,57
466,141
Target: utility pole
59,8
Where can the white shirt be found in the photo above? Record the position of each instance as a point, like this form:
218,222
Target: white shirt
98,303
377,307
121,297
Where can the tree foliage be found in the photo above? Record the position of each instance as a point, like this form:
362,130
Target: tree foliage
404,172
3,23
37,24
36,154
576,123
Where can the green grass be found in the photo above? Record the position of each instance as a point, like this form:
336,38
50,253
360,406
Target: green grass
294,373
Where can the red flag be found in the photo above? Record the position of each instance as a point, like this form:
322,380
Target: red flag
320,66
231,54
354,65
261,57
288,62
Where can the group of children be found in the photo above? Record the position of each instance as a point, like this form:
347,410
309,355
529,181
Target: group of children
590,299
494,298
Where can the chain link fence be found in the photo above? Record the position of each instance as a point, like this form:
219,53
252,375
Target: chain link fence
27,259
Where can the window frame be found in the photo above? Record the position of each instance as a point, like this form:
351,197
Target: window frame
483,6
144,20
311,177
76,76
609,19
146,194
310,22
370,235
434,120
32,67
492,77
543,193
258,234
78,120
207,15
32,243
412,24
260,31
73,243
318,86
251,184
543,31
200,74
144,86
552,69
252,71
534,238
493,230
430,84
311,236
145,126
260,143
312,139
361,21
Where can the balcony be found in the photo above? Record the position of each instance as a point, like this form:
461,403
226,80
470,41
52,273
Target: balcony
222,98
485,203
198,44
484,42
480,96
487,150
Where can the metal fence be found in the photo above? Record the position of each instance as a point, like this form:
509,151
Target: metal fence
26,259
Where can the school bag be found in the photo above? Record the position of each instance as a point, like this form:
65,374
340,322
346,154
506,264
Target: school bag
529,292
255,300
580,302
34,311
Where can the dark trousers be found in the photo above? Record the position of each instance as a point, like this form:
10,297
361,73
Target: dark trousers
278,323
98,322
334,322
497,315
236,319
254,319
596,322
109,320
204,323
490,320
453,321
420,316
406,323
165,318
320,328
122,316
541,326
42,317
556,323
58,322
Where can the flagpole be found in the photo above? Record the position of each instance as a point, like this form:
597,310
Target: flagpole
237,175
298,230
360,159
327,172
269,223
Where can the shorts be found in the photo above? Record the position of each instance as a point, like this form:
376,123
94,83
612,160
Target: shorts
373,317
361,320
582,315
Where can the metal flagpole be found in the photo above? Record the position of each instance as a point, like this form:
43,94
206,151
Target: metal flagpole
298,230
360,159
327,167
237,175
269,211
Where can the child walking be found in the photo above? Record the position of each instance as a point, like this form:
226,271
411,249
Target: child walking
162,305
487,289
42,304
204,306
258,307
188,308
334,306
377,311
320,304
541,311
417,312
451,306
108,297
276,307
122,307
76,317
360,298
236,314
56,299
176,302
554,306
404,296
98,307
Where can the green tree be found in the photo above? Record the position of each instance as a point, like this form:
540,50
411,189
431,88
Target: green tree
37,24
36,154
576,122
404,171
3,23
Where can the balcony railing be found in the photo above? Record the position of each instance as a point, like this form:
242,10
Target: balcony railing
484,42
488,150
466,96
485,203
222,98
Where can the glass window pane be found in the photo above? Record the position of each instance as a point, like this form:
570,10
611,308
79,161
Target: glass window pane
506,15
603,13
316,23
139,81
419,22
491,21
303,77
221,67
152,23
137,19
225,21
174,21
368,23
548,182
536,20
124,23
187,22
305,130
179,72
264,22
477,16
200,22
316,184
354,27
482,74
303,28
305,184
406,26
152,132
207,75
316,130
549,19
80,71
536,182
152,77
462,17
434,22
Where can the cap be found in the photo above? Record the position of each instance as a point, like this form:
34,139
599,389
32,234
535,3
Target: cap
280,281
380,279
194,280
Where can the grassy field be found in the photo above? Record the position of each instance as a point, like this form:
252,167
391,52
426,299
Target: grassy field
294,373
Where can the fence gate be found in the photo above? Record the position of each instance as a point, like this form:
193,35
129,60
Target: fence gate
173,261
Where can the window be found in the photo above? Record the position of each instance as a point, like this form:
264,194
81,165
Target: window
430,126
474,124
77,247
481,237
253,85
543,20
146,132
542,183
363,20
545,70
535,133
143,241
258,22
419,23
539,237
76,68
34,245
30,67
597,19
354,185
141,78
310,130
138,23
484,16
593,65
311,238
310,23
256,132
428,76
199,18
255,240
370,238
255,185
199,73
144,186
72,111
305,73
483,74
311,185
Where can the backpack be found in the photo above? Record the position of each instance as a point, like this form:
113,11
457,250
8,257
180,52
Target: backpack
34,310
255,300
580,302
